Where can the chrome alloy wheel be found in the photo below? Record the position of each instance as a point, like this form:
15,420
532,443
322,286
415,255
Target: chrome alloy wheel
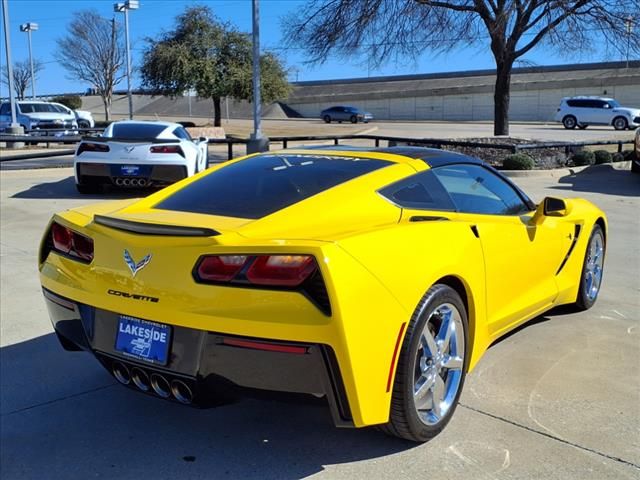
438,364
593,267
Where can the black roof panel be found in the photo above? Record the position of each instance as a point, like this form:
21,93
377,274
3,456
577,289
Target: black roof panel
434,157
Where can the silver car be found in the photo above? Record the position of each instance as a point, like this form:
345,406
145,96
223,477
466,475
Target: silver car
345,114
39,118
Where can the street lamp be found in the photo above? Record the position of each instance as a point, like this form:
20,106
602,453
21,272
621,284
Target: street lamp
257,142
125,7
30,27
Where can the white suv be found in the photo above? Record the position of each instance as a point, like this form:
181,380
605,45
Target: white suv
584,111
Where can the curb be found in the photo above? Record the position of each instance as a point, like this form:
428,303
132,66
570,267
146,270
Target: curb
563,172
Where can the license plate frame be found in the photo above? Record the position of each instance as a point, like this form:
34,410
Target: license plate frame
143,340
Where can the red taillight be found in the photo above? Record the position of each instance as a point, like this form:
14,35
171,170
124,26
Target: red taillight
71,243
281,270
166,149
220,268
92,147
268,270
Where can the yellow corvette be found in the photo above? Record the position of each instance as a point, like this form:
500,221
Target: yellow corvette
373,277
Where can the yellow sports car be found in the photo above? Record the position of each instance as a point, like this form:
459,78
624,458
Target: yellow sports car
373,277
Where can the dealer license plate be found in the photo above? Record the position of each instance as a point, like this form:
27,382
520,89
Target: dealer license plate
143,340
130,170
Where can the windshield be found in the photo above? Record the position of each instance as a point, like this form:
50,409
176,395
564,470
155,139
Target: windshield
261,185
38,108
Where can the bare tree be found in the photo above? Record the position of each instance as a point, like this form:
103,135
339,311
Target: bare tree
93,51
22,76
385,30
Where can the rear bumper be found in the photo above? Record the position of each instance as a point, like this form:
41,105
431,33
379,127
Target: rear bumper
215,371
109,173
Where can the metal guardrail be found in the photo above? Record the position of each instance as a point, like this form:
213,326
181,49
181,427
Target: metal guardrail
230,141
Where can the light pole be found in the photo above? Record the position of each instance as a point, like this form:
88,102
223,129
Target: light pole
14,128
125,7
257,143
30,27
629,24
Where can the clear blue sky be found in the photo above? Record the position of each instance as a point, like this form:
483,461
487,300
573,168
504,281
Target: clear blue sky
155,16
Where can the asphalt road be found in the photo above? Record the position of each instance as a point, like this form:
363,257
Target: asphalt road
557,399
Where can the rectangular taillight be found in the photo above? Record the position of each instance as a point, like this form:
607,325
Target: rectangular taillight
69,242
176,149
92,147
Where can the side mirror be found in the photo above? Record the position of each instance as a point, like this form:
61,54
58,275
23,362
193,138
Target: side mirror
203,139
554,207
551,207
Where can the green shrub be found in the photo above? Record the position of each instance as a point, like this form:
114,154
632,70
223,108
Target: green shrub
617,157
73,102
602,156
584,157
518,161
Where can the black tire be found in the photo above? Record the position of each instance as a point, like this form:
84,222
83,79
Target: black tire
354,119
404,420
327,119
83,124
585,299
88,188
620,123
570,122
635,166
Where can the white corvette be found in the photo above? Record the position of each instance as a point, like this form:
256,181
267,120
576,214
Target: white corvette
134,154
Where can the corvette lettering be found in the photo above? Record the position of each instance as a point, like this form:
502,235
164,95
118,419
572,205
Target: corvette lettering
133,296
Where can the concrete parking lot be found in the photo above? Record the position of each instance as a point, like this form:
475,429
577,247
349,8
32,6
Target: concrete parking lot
557,399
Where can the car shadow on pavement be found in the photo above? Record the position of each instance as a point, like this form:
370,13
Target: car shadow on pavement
66,188
63,416
615,182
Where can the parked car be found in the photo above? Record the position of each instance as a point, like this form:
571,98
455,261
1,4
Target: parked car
83,117
41,118
584,111
133,154
345,114
375,278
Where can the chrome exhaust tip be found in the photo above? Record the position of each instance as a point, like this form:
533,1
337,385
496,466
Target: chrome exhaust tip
142,182
140,379
121,372
160,385
126,182
181,392
119,182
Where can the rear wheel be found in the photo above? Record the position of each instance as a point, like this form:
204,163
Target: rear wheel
569,122
431,367
620,123
592,269
327,119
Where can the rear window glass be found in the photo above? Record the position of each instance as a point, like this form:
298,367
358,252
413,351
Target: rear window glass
138,131
261,185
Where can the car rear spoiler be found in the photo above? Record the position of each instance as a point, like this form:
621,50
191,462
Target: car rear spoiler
98,139
143,228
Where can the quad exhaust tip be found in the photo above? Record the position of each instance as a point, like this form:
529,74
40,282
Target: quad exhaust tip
131,182
140,379
160,385
121,373
181,392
